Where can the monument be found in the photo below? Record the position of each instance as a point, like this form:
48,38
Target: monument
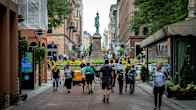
96,39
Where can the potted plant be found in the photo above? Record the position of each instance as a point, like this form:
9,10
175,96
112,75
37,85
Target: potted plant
169,88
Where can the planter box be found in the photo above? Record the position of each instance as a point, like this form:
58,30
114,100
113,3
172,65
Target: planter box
180,94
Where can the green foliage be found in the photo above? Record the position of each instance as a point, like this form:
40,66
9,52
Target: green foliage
121,51
23,45
186,75
154,14
97,61
40,53
169,83
57,12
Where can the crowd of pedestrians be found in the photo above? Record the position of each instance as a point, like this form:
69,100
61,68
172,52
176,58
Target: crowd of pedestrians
109,73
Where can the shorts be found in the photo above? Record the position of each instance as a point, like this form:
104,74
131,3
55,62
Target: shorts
107,84
68,83
89,78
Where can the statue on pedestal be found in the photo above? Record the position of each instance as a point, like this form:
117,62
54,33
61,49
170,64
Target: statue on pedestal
96,39
97,23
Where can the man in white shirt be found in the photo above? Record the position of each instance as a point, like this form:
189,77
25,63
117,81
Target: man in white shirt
159,87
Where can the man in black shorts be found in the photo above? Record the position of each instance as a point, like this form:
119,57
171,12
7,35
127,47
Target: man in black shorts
106,77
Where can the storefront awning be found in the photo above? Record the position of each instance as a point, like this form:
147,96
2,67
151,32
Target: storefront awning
183,28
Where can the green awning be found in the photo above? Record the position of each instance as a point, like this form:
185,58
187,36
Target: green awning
183,28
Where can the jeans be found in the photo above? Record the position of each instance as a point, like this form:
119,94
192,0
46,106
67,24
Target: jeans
56,82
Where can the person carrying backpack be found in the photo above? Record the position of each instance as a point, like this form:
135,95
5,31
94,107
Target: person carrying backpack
127,69
159,87
89,76
130,79
120,75
106,78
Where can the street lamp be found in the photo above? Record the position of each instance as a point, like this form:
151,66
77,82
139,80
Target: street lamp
39,34
71,30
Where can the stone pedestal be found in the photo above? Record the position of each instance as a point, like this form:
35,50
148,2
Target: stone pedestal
96,42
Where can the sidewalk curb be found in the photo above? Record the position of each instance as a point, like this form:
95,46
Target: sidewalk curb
39,91
47,87
169,102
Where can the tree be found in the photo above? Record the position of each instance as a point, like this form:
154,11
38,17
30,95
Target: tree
58,10
154,14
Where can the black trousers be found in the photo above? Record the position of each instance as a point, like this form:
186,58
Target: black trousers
120,82
158,93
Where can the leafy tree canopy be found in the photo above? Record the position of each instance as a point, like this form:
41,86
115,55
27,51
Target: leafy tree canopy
57,12
154,14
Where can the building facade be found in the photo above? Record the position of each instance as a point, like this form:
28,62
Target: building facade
34,30
112,32
86,40
68,35
174,45
126,10
35,15
104,40
8,52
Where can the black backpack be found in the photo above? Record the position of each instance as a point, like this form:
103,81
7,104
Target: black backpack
120,75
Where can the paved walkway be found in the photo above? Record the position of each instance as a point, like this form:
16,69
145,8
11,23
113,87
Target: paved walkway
59,100
37,91
174,103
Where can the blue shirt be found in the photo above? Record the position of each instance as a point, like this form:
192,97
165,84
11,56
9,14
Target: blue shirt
159,79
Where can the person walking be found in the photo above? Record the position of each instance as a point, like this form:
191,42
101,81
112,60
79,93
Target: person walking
56,76
68,73
131,79
159,87
127,69
82,70
89,76
120,75
113,74
106,78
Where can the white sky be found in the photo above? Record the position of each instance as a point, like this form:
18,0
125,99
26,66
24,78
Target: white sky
90,9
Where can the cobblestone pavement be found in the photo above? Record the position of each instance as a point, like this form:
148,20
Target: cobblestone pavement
59,100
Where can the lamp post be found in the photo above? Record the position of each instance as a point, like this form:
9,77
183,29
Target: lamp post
71,28
39,34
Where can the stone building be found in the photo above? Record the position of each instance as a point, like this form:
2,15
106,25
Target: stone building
126,10
125,13
112,32
9,53
86,40
69,34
